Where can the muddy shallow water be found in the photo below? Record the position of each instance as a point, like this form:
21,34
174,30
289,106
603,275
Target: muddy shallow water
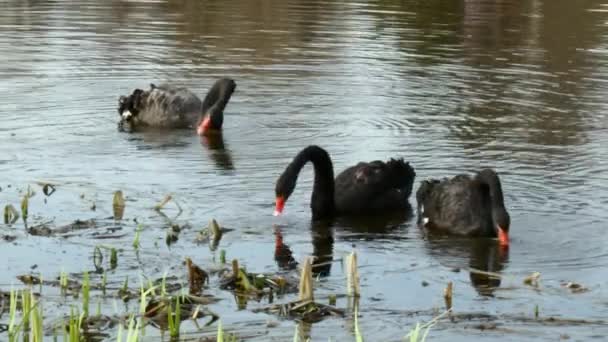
450,86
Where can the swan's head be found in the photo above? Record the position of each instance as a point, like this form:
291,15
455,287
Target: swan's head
283,189
128,108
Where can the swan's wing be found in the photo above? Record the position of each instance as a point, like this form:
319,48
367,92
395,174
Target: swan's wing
450,204
374,186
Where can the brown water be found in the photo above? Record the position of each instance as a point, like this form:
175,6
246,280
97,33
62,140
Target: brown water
451,86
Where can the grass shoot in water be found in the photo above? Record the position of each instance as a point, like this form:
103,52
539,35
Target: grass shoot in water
358,336
97,259
63,282
26,305
36,317
104,283
136,239
25,206
13,328
174,320
86,287
113,258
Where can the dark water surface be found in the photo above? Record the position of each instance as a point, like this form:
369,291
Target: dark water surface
450,85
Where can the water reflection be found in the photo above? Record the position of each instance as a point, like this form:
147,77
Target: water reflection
219,153
322,239
354,229
483,258
391,226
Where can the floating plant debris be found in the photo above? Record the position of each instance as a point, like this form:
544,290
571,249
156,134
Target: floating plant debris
212,233
574,287
172,234
158,309
532,279
162,203
11,215
305,308
44,229
255,284
448,295
197,277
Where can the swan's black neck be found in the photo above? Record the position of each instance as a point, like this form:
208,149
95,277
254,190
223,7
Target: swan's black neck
490,178
499,212
216,100
322,199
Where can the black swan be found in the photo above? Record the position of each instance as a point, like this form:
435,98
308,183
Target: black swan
166,106
464,205
366,188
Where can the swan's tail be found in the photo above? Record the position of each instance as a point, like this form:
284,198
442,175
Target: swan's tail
403,174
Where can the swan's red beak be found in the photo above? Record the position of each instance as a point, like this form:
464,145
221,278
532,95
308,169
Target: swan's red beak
503,237
204,126
280,204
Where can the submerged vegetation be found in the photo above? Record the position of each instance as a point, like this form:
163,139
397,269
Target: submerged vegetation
184,294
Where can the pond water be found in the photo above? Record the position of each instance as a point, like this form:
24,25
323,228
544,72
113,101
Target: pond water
450,86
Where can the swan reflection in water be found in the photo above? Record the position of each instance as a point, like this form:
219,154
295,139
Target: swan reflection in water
484,258
220,155
322,238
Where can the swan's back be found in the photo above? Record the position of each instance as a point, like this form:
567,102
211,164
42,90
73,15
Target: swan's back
459,205
374,186
163,106
172,107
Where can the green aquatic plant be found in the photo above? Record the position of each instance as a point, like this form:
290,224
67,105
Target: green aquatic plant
136,239
132,331
13,328
113,258
74,324
63,282
414,334
104,283
358,335
86,287
26,306
36,317
222,336
97,259
25,206
163,285
174,320
31,319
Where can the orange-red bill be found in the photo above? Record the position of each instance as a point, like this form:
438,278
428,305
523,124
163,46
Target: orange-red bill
280,204
503,237
204,126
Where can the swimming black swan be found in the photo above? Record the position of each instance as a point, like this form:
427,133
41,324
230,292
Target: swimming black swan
365,188
166,106
464,205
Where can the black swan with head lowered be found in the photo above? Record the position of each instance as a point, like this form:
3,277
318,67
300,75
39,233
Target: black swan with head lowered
465,205
366,188
166,106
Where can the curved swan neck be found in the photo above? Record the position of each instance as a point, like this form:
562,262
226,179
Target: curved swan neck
500,217
490,178
216,100
322,199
